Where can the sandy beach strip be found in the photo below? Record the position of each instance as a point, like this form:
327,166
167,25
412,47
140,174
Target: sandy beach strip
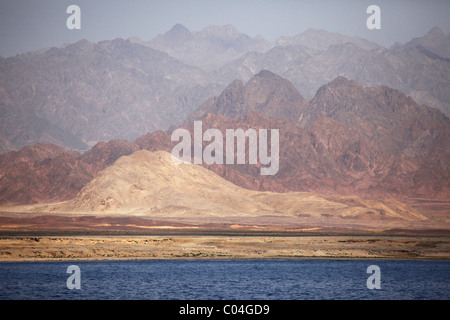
66,248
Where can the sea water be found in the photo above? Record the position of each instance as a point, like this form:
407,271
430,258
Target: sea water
228,279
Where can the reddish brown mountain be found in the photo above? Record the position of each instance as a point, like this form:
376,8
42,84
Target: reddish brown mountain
349,140
41,172
48,173
266,93
329,157
381,113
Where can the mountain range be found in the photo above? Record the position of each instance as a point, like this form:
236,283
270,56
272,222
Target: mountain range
97,92
209,48
364,131
374,142
347,139
315,57
82,93
414,68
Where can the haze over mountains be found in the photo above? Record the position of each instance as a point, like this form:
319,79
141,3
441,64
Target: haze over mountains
416,70
312,58
97,92
350,114
86,92
209,48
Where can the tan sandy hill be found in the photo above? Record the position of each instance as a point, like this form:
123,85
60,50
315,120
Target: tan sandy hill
151,184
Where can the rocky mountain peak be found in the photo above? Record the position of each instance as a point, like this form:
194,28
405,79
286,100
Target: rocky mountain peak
178,33
341,82
273,96
82,46
434,41
266,74
337,92
226,32
265,92
436,32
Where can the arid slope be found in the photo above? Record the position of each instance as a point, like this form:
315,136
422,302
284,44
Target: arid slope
151,184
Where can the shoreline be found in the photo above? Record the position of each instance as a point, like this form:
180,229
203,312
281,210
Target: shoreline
210,247
225,259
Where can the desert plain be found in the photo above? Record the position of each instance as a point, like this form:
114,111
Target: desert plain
65,238
45,248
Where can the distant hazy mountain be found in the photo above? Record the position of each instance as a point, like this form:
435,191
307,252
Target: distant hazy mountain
209,48
315,57
434,41
321,40
20,127
97,92
86,92
266,93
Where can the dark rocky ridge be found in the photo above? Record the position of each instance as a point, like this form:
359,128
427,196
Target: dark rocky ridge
266,93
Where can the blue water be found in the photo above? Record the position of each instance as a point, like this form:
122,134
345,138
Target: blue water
243,280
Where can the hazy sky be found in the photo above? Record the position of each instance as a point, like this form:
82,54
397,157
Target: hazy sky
31,25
